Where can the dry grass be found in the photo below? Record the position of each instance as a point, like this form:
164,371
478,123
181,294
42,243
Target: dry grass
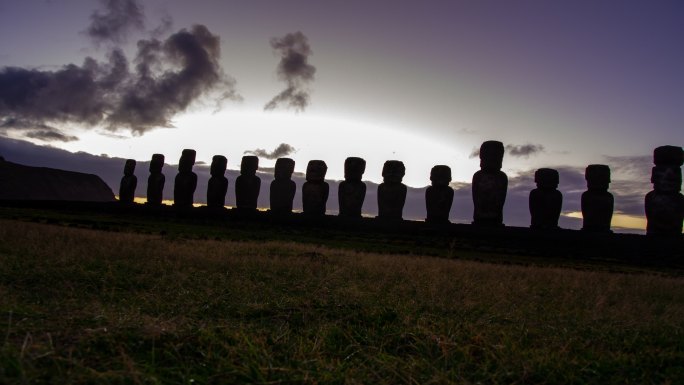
82,306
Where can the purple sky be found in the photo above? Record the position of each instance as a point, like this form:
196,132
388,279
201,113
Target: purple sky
582,81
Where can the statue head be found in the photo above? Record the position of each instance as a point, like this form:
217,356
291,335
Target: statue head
156,163
187,160
218,165
393,171
666,179
316,170
249,165
354,168
129,167
597,177
491,155
668,156
284,168
546,178
440,175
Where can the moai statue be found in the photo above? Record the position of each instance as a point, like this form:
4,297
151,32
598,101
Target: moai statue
352,191
315,190
665,204
545,201
128,183
155,182
391,192
597,202
186,181
218,183
439,196
247,185
283,188
489,186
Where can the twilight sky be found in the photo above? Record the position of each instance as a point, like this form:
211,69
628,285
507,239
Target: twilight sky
562,83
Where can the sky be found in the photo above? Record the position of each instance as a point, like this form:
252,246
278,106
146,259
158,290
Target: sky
563,84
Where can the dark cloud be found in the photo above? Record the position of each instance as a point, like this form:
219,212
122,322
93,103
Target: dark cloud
35,130
116,21
50,136
294,69
524,150
515,150
168,77
153,97
282,150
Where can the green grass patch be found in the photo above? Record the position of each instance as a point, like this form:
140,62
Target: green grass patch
88,306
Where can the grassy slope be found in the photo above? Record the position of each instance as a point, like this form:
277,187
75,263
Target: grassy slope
82,306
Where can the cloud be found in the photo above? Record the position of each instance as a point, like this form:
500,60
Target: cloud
152,97
51,136
294,69
524,150
282,150
35,130
515,150
168,77
164,27
636,166
116,22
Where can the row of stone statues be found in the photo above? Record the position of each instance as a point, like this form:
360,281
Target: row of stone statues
664,205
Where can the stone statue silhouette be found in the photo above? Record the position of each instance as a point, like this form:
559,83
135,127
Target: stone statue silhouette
391,192
247,185
597,202
490,185
439,196
218,183
352,191
283,188
155,182
128,183
186,181
665,204
315,190
545,201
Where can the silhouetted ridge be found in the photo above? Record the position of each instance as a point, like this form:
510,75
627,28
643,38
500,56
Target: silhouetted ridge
19,182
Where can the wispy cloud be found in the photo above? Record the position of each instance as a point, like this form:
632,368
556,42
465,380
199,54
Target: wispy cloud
524,150
116,21
282,150
294,69
515,150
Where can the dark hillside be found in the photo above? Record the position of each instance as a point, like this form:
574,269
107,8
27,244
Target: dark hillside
19,182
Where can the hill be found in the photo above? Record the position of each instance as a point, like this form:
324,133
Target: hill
20,182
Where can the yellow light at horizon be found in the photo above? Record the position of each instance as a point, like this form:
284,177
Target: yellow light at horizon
620,220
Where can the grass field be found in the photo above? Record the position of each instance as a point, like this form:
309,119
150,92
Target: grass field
87,306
